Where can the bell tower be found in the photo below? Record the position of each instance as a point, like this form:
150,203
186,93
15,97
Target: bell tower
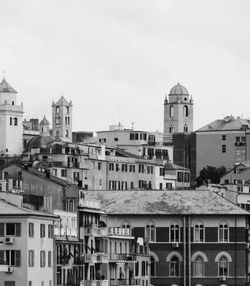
11,121
178,111
62,119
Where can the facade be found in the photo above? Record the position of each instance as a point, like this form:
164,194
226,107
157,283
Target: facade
211,251
178,111
11,117
42,191
62,119
222,142
112,256
147,145
27,246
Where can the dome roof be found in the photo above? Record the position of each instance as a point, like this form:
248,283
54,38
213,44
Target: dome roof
178,89
44,121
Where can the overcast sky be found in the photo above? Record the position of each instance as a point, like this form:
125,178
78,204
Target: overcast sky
116,60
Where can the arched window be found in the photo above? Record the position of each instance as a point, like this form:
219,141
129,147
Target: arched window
152,269
150,232
223,259
174,233
223,266
174,267
57,109
223,233
171,128
185,110
171,111
185,128
67,133
199,233
198,267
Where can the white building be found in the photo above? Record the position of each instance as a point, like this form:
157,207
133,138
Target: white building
11,117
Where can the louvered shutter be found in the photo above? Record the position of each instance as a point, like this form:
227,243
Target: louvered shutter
18,229
18,258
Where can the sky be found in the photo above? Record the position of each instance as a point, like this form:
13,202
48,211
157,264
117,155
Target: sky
118,59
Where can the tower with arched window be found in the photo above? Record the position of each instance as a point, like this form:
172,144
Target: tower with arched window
62,119
178,111
11,118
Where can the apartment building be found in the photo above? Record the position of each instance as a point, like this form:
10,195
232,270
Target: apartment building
27,246
112,255
195,237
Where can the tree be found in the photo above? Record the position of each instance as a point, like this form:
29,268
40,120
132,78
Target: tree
211,174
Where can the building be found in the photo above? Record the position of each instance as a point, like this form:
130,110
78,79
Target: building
195,237
147,145
27,246
112,256
178,111
43,191
11,117
62,119
222,142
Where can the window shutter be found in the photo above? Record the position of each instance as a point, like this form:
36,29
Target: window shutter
18,229
1,229
18,258
1,256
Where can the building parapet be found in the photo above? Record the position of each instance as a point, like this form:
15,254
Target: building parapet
8,107
119,231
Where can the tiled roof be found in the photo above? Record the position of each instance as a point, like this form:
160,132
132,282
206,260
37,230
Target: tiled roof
228,123
171,166
7,208
62,101
5,87
164,202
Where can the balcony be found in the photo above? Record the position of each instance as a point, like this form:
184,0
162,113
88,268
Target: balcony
121,257
5,267
95,258
95,231
94,283
129,282
118,231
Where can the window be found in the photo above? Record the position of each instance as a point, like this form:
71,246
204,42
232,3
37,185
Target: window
49,259
63,173
99,165
150,232
185,110
180,176
13,103
174,270
67,133
31,229
10,120
223,233
12,257
171,111
171,128
174,233
31,258
12,229
42,230
162,172
152,266
111,166
15,121
186,177
50,231
198,267
57,109
223,267
223,137
224,148
185,128
42,258
199,233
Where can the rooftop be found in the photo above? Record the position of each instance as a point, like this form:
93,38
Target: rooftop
227,123
178,89
164,202
5,87
7,208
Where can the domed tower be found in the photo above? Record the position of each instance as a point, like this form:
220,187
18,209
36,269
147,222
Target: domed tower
178,111
11,121
62,119
44,127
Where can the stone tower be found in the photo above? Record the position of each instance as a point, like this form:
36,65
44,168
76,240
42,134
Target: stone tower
44,127
178,111
11,121
62,119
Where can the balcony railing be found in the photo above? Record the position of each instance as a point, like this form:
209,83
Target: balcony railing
95,230
116,257
94,283
128,281
95,258
118,231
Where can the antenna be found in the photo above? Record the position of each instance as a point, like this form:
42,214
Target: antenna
132,124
